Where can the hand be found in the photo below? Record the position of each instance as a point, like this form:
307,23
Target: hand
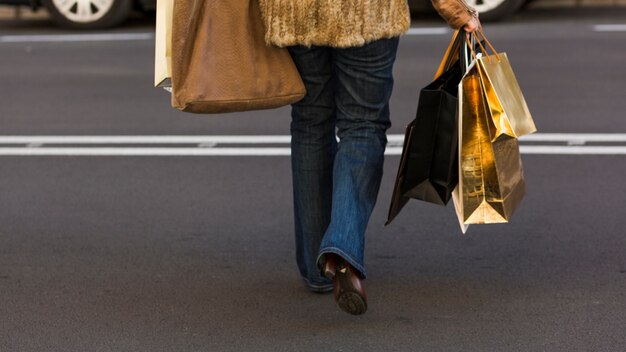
472,25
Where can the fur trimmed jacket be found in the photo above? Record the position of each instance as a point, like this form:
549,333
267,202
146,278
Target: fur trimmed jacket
346,23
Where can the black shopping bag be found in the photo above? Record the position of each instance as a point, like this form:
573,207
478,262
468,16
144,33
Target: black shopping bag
429,165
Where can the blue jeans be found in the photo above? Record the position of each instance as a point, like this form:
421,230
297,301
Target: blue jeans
335,184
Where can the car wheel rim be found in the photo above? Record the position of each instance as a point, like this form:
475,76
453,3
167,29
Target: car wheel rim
83,11
485,5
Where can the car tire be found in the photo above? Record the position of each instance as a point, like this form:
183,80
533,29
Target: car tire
496,10
113,13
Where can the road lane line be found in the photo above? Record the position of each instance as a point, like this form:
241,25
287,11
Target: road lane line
572,150
125,151
609,28
43,38
265,145
164,139
428,31
574,138
99,37
558,137
268,151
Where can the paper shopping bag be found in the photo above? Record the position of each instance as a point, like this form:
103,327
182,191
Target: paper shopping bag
428,168
507,105
491,177
163,44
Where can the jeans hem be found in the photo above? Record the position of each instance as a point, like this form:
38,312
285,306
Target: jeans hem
345,256
318,288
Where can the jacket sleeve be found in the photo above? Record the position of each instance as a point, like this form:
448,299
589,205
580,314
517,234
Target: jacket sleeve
456,12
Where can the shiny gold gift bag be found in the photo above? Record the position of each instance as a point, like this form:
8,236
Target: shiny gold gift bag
508,107
491,177
163,44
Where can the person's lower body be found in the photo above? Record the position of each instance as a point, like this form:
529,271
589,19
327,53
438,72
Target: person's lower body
336,183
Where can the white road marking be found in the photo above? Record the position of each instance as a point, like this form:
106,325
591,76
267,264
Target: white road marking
610,28
574,137
270,139
573,150
428,31
266,139
169,151
98,37
138,151
207,145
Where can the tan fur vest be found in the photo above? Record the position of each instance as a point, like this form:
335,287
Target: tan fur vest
337,23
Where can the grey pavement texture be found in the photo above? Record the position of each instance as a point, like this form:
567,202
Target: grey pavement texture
196,254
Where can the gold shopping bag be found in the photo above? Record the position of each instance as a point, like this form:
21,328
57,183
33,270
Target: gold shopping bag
451,55
491,177
163,44
504,96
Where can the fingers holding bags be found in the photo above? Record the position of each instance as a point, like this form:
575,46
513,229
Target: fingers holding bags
457,13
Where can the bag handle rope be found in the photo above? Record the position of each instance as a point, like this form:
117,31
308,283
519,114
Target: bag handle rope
480,37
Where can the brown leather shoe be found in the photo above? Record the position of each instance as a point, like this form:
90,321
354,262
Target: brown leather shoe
348,287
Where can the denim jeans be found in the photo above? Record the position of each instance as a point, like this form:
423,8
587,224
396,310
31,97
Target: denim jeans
335,183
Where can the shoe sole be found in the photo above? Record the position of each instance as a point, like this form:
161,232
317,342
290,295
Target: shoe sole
352,303
348,299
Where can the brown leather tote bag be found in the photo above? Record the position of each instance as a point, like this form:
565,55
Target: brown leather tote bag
220,62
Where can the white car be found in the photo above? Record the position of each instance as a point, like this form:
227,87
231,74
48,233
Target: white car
87,14
92,14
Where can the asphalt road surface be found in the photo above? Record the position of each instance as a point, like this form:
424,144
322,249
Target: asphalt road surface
194,251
